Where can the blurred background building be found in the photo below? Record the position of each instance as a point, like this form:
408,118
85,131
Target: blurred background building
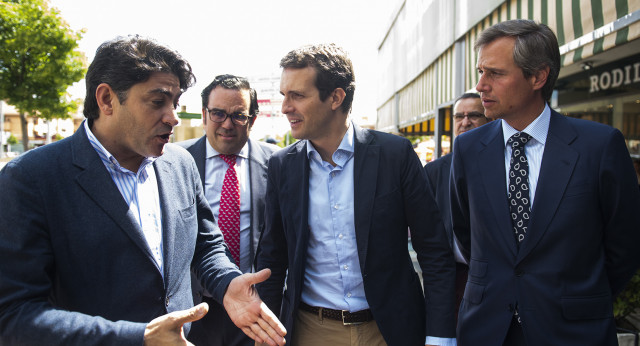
426,59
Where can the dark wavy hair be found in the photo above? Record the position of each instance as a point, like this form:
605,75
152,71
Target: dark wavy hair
333,69
229,81
536,47
126,61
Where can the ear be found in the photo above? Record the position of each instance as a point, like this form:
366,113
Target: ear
252,120
539,79
337,97
204,117
105,96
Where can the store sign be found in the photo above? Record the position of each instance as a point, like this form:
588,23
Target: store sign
615,78
607,80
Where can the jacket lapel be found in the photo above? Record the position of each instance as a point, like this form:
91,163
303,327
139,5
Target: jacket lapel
257,184
296,166
199,152
365,175
492,169
166,180
558,163
97,183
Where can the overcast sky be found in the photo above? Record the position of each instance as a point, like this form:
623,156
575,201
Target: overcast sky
242,37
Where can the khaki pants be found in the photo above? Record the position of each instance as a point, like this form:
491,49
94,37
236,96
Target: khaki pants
313,330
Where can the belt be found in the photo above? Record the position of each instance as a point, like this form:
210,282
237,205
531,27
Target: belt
347,318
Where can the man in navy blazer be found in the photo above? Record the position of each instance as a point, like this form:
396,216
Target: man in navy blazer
338,207
229,110
98,231
556,281
467,115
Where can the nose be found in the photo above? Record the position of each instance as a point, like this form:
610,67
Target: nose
482,85
287,108
227,123
465,121
171,118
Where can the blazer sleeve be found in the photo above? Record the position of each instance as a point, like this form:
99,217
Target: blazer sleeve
429,239
620,201
459,204
27,276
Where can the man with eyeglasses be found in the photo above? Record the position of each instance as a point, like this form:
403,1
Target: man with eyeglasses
229,110
468,114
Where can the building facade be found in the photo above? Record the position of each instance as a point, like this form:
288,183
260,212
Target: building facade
426,60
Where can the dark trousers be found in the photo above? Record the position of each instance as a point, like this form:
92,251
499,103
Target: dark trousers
217,329
515,336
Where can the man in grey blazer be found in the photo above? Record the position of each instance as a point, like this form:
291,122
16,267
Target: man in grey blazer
229,110
98,231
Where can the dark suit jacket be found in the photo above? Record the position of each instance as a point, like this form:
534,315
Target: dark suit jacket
76,268
390,195
259,153
438,180
581,244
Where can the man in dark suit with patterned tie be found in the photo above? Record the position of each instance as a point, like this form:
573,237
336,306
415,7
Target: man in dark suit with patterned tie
229,110
545,207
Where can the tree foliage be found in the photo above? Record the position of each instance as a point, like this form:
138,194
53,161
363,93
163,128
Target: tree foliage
627,303
38,60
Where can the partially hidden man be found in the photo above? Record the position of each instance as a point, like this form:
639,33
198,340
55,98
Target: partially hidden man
233,171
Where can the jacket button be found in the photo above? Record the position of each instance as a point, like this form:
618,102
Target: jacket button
519,272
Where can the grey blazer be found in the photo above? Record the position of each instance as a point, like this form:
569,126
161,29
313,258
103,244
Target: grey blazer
75,268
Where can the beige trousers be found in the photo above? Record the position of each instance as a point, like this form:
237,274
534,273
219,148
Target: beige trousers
313,330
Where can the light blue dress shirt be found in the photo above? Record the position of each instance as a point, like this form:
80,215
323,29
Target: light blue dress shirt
332,277
140,192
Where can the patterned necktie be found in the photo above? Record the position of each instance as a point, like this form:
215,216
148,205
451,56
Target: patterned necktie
518,192
229,213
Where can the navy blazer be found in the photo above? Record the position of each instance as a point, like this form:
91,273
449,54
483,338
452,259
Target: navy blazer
438,180
390,196
76,268
581,244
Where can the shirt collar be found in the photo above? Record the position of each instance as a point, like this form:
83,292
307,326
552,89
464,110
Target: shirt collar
244,152
538,129
342,154
106,156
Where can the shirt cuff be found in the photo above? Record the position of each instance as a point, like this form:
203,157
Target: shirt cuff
432,340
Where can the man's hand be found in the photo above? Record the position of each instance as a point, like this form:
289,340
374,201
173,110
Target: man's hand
250,313
167,329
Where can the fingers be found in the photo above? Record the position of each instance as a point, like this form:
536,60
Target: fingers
269,334
256,278
270,318
190,315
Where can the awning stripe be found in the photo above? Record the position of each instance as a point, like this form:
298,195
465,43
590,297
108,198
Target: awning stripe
583,28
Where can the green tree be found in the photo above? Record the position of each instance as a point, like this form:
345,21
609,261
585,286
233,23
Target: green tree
38,60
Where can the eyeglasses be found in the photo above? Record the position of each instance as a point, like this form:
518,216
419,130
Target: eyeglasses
473,116
219,116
